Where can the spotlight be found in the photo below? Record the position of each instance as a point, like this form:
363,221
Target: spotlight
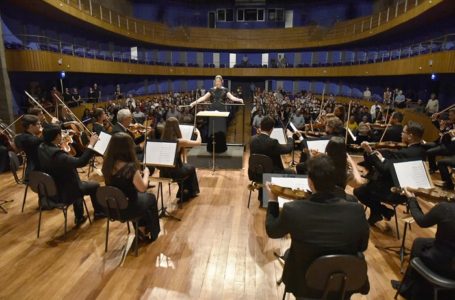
433,76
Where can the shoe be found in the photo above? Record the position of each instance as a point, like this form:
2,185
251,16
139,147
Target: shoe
388,213
81,221
99,215
395,284
373,219
447,186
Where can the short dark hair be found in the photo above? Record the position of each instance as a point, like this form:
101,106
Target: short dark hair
416,129
98,113
267,124
50,132
35,111
321,171
398,116
28,120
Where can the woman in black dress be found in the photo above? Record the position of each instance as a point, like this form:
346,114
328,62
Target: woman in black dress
121,169
190,186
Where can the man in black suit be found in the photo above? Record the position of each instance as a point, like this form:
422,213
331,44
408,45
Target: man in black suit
393,133
378,188
321,225
28,141
263,144
63,169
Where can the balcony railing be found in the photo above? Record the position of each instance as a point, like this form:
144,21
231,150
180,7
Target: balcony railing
332,58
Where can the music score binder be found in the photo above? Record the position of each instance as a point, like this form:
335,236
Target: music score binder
413,174
160,154
102,143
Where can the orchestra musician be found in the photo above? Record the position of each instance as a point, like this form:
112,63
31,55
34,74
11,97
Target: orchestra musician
445,146
322,224
189,188
380,164
121,169
100,118
436,253
63,169
395,129
124,119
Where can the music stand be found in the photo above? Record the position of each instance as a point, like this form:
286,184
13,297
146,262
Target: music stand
213,114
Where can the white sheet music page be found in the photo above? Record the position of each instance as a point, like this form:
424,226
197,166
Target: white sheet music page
187,131
412,174
101,145
160,154
277,134
289,182
318,145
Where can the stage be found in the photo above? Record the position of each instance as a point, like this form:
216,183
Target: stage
231,159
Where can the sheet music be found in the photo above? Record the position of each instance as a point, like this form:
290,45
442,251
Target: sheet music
187,131
213,113
318,145
160,154
277,133
412,174
101,145
290,182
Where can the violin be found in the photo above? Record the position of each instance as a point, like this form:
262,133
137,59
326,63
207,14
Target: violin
138,128
7,137
289,193
432,195
67,140
381,145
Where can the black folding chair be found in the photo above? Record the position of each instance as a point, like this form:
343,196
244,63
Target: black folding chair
44,185
438,282
258,164
14,165
339,274
115,203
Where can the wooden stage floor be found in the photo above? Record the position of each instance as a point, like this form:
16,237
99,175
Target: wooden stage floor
218,251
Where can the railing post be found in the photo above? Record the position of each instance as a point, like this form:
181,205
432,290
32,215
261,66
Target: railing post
396,9
80,5
379,19
361,27
388,13
371,22
405,5
118,19
127,25
135,27
110,16
143,28
354,29
416,3
101,12
90,6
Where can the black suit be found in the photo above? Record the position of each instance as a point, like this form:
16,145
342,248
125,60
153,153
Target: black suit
320,225
63,169
393,134
98,128
29,143
378,188
263,144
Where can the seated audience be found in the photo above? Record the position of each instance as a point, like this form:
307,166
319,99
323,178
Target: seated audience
321,225
121,169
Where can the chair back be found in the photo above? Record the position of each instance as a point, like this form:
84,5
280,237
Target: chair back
259,164
14,165
337,274
113,200
44,185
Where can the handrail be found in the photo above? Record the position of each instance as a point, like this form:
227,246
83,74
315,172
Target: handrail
162,34
39,42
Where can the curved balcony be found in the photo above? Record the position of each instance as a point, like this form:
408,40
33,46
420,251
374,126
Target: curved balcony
290,38
39,53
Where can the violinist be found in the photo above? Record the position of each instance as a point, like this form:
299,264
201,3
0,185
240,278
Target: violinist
63,169
393,133
29,141
380,164
100,118
42,117
124,120
444,146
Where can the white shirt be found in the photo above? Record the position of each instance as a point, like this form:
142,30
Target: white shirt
432,106
367,94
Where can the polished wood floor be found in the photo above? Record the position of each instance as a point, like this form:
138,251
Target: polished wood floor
218,251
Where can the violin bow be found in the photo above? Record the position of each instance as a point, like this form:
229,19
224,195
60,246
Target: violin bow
74,116
386,127
9,126
39,105
347,122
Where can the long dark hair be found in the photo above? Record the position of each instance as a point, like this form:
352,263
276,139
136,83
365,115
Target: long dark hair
121,148
336,150
171,130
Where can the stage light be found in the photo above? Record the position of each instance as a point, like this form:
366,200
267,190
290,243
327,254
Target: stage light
433,76
62,74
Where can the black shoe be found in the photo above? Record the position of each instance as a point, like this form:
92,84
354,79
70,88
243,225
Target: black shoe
395,284
374,218
81,221
99,215
388,213
447,186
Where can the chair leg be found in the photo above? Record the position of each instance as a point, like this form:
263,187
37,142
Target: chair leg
249,199
66,221
39,221
396,222
107,234
86,209
25,197
136,239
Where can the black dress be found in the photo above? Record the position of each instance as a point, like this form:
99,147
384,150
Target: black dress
218,97
137,202
185,175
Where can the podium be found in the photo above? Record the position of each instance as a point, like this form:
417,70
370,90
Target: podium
213,114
